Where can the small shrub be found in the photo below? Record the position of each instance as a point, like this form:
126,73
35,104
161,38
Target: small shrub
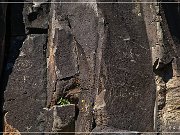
63,102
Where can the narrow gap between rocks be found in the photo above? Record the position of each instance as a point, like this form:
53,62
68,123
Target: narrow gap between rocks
37,31
71,93
165,71
172,14
15,35
32,16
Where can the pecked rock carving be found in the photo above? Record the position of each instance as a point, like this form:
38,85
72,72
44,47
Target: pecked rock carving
75,66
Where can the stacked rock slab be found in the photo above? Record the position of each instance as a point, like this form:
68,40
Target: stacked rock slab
116,37
163,19
155,35
25,73
25,94
25,90
103,46
126,93
71,52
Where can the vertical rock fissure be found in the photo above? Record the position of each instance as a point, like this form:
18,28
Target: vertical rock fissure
163,54
62,68
165,59
171,29
102,29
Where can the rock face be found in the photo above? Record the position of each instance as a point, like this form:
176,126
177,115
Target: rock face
25,94
36,17
170,112
126,105
87,66
72,44
25,75
165,57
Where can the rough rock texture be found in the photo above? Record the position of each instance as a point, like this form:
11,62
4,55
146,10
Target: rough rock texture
122,80
72,43
25,90
154,32
165,56
171,26
36,16
171,113
25,94
99,57
61,119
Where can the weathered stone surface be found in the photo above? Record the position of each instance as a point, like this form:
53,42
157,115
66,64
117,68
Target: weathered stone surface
153,20
160,50
171,113
61,119
168,73
71,52
84,21
165,61
67,19
36,15
126,73
106,50
25,94
66,57
120,74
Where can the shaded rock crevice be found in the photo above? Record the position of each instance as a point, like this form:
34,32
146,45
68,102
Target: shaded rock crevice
170,25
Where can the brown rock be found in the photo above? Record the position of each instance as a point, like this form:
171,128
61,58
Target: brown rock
25,94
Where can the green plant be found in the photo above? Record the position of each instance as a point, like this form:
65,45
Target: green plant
63,101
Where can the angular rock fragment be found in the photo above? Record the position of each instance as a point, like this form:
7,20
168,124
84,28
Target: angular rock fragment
25,94
72,43
61,119
65,55
36,16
